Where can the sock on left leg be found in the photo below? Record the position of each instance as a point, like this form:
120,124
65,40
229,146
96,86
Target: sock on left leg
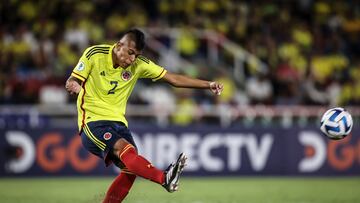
119,188
140,166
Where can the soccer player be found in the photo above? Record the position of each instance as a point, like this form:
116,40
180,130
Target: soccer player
104,79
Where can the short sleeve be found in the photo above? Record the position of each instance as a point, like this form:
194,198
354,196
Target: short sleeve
150,70
83,67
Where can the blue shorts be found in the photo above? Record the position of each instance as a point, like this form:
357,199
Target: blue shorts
99,137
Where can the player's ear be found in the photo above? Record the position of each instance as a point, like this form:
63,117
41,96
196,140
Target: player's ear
119,44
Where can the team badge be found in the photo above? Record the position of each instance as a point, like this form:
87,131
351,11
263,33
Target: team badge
80,66
107,136
126,75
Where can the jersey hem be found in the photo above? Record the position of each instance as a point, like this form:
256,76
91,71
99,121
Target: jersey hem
114,120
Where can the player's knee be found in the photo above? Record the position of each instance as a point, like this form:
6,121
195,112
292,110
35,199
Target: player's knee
128,156
119,145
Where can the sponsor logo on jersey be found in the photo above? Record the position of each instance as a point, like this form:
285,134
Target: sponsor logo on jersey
80,66
126,75
107,136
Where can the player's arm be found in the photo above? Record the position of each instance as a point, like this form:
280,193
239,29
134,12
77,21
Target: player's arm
73,85
79,73
178,80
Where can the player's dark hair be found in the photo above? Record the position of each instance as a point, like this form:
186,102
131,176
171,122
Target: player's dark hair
138,37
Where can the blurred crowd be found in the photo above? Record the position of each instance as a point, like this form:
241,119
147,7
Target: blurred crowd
311,48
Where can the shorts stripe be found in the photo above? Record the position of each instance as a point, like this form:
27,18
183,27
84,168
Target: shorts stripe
91,136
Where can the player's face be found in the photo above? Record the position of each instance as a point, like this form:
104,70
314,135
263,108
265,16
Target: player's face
125,52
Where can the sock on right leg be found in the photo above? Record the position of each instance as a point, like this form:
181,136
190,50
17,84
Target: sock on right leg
119,188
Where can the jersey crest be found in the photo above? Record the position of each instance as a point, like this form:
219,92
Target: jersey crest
107,136
126,75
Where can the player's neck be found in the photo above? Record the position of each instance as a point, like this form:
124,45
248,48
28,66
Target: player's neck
115,65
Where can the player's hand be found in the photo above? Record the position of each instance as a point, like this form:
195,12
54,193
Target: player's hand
216,87
72,87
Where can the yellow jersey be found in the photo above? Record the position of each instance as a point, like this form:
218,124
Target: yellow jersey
105,89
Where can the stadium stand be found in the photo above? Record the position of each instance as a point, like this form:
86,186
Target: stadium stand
310,49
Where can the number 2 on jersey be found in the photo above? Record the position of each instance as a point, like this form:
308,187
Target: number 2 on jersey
112,91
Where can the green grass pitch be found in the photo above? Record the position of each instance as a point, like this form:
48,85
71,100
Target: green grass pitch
192,190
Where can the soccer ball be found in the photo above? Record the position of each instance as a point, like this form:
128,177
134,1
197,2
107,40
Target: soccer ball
336,123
